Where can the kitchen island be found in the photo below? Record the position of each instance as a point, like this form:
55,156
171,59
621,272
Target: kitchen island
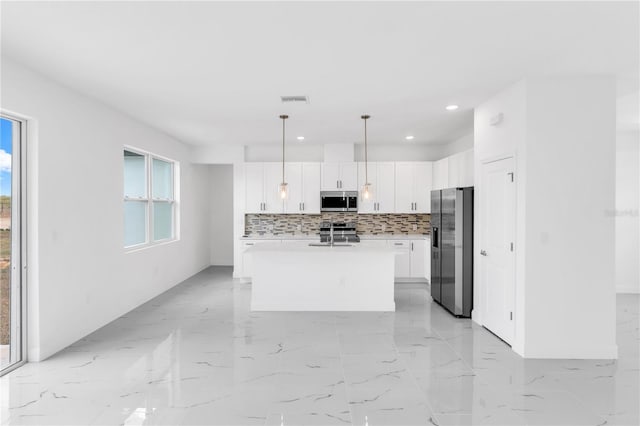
296,276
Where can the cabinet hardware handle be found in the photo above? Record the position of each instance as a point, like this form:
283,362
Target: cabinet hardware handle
302,206
411,246
397,244
483,253
416,206
249,244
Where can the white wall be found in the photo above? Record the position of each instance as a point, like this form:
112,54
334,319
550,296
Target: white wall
221,178
561,132
80,277
294,151
464,143
627,222
402,151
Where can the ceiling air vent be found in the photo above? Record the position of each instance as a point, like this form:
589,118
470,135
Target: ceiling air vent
294,99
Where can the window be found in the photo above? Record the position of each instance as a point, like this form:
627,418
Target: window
149,198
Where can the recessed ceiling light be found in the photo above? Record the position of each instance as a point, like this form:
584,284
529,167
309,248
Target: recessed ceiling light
408,138
452,107
300,138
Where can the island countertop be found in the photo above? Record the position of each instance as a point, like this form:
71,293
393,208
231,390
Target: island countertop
300,246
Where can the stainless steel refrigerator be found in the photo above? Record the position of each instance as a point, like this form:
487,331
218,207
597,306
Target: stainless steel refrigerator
452,249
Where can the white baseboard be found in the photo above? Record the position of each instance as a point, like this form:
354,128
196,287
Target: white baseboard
309,308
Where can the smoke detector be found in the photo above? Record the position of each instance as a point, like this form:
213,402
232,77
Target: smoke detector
295,99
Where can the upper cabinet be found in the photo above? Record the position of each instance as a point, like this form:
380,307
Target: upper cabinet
382,180
454,171
339,177
461,169
413,184
262,182
303,180
441,174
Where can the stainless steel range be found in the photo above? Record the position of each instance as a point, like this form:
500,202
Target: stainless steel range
338,232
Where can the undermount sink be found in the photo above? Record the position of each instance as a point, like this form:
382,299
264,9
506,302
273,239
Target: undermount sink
329,245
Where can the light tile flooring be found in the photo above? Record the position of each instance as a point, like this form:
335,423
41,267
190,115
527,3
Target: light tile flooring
196,355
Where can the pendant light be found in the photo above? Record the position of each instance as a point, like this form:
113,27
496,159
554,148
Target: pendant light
283,185
367,192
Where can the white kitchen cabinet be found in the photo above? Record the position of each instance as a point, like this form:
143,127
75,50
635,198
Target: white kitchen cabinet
247,263
262,183
403,257
413,184
382,180
419,258
303,180
340,176
461,169
441,174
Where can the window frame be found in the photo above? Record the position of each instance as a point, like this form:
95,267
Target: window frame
149,199
19,224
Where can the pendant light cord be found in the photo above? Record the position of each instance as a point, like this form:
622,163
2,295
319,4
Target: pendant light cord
283,117
366,159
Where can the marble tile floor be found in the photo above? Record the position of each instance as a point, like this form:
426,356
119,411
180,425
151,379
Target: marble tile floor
196,355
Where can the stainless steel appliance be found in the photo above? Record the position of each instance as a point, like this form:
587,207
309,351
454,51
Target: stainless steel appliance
339,201
452,249
338,232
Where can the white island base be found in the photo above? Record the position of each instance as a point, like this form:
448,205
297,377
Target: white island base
298,277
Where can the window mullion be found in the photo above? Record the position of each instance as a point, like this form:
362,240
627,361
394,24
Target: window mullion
150,197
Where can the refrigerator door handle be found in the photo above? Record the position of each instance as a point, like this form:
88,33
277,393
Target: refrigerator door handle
434,238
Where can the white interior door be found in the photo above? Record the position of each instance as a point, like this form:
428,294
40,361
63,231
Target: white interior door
497,247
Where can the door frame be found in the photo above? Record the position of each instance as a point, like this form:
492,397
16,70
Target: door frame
483,163
19,268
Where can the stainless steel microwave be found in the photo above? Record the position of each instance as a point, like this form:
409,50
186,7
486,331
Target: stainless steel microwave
339,201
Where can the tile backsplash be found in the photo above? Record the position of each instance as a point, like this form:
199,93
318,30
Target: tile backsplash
307,224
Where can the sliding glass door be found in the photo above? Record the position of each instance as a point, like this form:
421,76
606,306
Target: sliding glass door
12,294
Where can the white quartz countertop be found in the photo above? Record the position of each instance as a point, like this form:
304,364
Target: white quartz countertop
304,247
317,237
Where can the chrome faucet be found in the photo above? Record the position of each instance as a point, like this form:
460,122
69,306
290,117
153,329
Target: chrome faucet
331,235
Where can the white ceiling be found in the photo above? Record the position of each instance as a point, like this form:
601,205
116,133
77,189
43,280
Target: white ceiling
211,73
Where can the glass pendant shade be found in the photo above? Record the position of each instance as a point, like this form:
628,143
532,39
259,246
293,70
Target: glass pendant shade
367,191
284,190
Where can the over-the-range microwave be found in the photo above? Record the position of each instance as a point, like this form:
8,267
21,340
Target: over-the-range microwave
339,201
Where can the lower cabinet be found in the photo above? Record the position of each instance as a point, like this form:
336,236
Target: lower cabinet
412,260
247,264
